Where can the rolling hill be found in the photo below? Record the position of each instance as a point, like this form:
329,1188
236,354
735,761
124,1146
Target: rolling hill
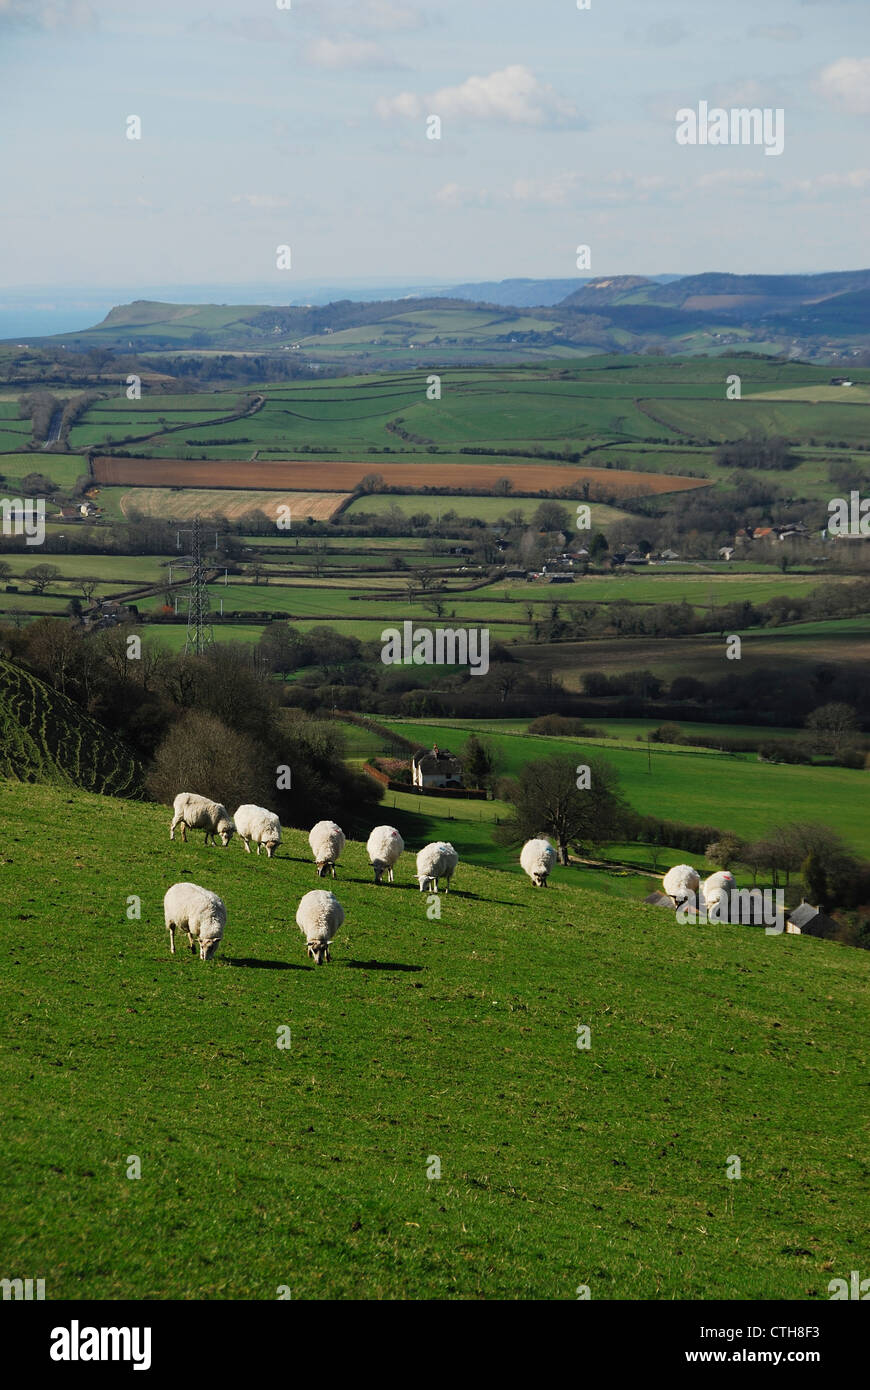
45,737
431,1127
807,315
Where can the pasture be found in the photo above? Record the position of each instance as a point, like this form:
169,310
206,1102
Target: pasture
312,1165
731,791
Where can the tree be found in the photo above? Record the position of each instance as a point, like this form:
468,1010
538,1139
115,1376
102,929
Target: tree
815,880
87,584
550,516
832,729
547,800
5,571
40,576
478,763
201,751
598,546
725,852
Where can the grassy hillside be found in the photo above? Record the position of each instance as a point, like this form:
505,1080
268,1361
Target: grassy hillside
733,792
45,737
453,1038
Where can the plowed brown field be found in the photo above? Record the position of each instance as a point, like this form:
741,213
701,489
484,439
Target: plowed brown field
329,475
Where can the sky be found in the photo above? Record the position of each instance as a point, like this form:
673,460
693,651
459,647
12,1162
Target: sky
303,123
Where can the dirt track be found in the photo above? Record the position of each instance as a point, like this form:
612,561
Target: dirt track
328,475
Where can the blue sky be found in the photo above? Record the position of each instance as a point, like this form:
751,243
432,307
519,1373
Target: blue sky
307,126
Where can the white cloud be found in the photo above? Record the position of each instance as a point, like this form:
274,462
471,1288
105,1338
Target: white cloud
733,178
512,95
261,201
348,52
853,180
48,14
454,195
846,83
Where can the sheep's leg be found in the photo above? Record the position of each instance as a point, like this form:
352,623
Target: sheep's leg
184,831
192,939
172,938
248,847
172,827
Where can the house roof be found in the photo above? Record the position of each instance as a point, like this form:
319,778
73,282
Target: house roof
803,914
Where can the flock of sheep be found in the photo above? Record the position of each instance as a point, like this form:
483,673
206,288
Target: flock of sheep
202,915
683,885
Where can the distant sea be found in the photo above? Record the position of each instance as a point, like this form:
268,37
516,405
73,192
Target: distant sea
38,313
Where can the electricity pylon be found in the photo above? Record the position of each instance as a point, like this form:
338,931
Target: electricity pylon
199,628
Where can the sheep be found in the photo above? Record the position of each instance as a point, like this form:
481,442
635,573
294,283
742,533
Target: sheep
716,891
319,916
435,861
384,847
198,912
681,883
194,812
537,858
257,824
327,842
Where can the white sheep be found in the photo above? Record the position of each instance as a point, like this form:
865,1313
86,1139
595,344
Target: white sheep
435,861
384,847
257,824
319,916
681,883
327,842
716,892
537,858
198,912
194,812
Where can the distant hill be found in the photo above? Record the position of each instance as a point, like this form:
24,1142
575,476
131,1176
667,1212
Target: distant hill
44,737
812,316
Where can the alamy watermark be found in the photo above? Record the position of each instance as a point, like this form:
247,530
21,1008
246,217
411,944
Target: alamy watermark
746,906
446,646
741,125
23,517
850,518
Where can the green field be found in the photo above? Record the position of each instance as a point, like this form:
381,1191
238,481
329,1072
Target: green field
311,1166
733,792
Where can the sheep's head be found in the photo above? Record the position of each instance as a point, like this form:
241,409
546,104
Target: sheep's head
319,951
225,830
271,846
207,949
324,868
380,869
539,878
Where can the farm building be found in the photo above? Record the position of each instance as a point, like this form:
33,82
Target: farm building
560,579
436,767
811,921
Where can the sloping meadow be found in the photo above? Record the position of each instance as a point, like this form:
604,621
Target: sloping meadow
415,1120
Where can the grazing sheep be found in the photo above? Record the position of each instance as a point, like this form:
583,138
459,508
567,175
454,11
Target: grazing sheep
681,883
327,842
198,912
537,858
194,812
716,892
384,847
257,824
319,916
435,861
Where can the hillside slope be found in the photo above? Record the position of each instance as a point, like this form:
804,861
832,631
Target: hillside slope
451,1039
45,737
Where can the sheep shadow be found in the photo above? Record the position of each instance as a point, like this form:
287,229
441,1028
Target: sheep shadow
251,962
379,965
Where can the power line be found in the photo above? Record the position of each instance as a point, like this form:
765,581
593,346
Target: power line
200,634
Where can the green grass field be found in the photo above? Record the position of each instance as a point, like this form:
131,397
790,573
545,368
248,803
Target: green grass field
311,1166
733,792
